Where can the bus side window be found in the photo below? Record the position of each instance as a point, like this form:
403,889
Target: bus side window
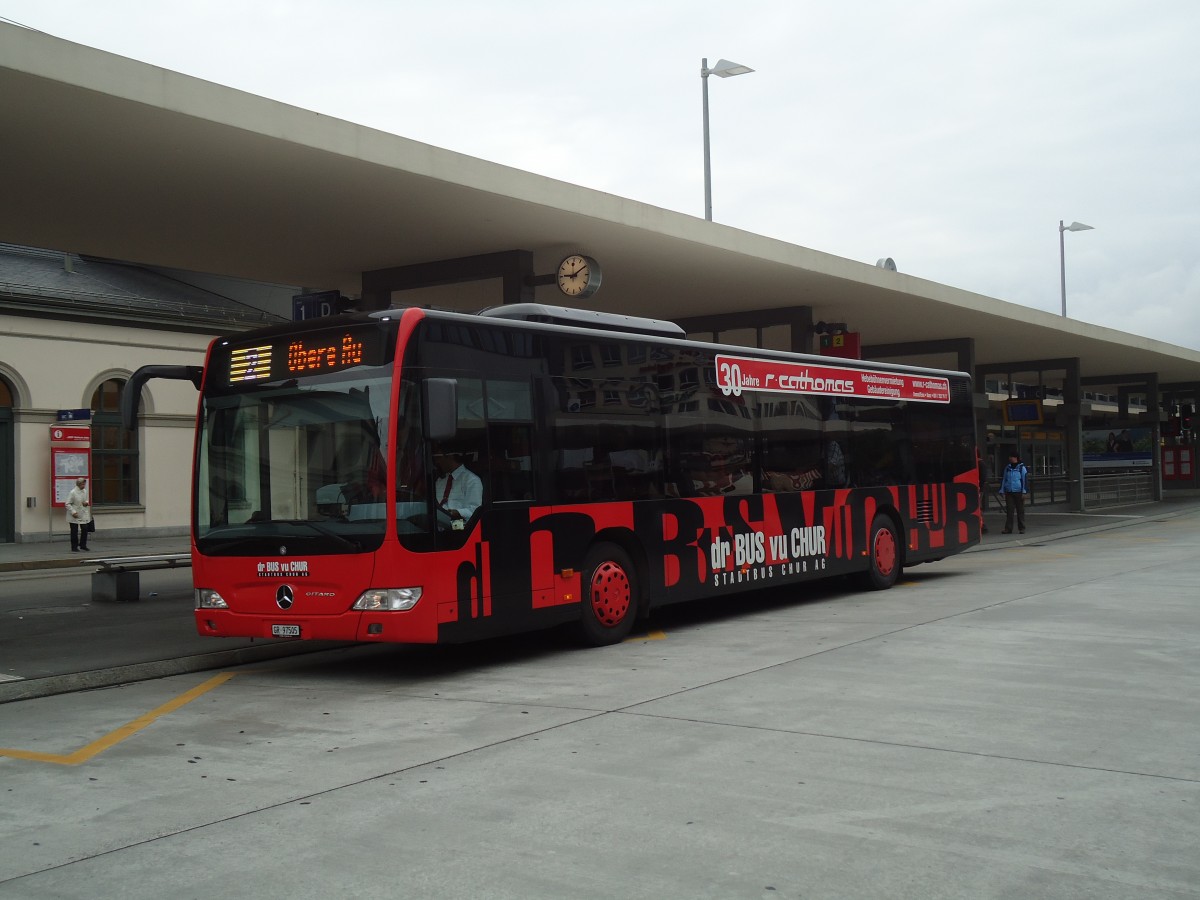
713,463
789,465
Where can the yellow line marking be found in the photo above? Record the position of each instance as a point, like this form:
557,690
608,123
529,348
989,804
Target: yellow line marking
648,636
95,748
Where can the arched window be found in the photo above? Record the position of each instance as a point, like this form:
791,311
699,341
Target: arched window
114,448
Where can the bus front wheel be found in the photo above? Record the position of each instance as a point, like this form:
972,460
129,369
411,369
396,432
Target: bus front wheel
610,595
883,555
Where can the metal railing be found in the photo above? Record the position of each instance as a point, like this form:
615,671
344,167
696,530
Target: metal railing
1098,490
1043,489
1118,489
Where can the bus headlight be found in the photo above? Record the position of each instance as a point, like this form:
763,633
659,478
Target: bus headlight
389,599
206,598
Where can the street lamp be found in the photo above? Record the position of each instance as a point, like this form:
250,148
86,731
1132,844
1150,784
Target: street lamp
1062,257
724,69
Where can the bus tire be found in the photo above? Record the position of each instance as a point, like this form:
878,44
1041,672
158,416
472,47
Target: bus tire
610,596
883,555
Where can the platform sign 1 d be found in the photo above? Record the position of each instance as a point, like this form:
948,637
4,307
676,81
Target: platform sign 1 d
316,306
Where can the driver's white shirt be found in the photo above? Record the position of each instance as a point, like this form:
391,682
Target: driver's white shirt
466,492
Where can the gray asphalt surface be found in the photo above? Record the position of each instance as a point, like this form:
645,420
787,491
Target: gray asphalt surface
1019,721
55,638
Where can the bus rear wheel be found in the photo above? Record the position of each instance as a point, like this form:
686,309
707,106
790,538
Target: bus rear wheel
883,555
610,595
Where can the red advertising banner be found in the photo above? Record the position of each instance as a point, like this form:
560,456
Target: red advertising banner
737,373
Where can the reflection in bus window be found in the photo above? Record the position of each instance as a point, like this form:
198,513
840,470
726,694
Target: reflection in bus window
295,461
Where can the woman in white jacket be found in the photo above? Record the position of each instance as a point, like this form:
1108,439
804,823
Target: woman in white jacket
79,515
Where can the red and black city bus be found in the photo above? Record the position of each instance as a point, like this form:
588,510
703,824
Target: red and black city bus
623,467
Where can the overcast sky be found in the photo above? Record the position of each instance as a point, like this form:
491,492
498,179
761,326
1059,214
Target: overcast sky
950,135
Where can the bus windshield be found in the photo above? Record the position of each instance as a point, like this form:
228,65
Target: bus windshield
299,463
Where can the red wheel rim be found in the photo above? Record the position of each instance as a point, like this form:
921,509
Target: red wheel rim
611,594
884,551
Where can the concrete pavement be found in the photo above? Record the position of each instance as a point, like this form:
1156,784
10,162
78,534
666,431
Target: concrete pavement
54,638
57,554
1015,722
103,644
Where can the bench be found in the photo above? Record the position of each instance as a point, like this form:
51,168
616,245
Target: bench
118,578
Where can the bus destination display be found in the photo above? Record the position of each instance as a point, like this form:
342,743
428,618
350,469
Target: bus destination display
310,354
250,364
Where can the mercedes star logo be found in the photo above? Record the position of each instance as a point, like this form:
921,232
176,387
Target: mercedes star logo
284,598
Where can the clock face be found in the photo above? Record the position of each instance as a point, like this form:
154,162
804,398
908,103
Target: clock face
578,276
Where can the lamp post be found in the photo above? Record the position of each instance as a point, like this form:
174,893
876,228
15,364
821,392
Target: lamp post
724,69
1062,257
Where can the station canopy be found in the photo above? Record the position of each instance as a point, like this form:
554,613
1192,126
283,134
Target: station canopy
114,158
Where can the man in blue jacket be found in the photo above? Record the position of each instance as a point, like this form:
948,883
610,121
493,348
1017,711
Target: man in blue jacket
1014,485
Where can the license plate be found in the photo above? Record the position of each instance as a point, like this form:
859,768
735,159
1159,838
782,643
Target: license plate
285,630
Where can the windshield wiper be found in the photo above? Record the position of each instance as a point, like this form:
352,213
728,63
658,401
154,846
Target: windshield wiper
348,543
231,546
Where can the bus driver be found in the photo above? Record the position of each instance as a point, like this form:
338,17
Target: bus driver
458,490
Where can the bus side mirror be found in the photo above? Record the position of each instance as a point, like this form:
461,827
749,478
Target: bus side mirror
441,409
131,395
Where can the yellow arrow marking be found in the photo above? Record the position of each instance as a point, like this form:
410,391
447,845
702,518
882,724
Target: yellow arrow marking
83,754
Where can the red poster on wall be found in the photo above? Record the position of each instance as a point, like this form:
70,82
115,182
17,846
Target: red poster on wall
1177,464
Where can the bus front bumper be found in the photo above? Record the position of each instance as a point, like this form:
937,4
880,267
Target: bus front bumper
352,625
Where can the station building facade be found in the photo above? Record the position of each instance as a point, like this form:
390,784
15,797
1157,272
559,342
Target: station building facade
74,329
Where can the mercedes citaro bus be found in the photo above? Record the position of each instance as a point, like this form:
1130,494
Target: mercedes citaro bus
617,467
